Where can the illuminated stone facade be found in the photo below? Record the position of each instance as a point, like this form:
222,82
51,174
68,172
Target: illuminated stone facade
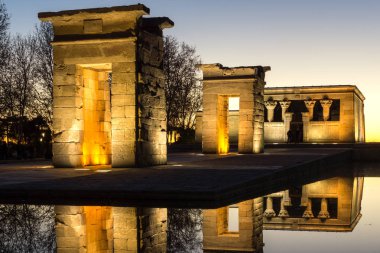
221,83
314,114
109,99
328,205
236,228
87,229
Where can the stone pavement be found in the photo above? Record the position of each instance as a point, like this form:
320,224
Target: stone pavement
189,179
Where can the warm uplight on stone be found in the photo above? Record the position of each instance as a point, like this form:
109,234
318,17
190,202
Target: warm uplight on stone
220,83
310,115
102,119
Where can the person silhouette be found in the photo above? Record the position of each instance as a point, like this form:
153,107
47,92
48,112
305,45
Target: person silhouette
290,136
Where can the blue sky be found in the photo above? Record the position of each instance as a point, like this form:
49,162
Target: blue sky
305,42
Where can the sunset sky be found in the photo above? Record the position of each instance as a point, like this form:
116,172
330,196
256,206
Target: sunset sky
305,42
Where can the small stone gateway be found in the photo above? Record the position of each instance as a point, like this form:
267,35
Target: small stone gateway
219,84
109,99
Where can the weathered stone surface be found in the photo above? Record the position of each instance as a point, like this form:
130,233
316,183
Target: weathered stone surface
219,84
87,47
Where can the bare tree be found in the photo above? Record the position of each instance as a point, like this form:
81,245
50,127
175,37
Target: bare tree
44,68
4,37
4,53
183,88
18,92
184,230
27,228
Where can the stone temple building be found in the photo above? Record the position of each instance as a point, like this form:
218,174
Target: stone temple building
221,83
109,99
310,114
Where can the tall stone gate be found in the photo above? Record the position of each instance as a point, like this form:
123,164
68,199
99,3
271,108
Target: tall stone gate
109,99
219,84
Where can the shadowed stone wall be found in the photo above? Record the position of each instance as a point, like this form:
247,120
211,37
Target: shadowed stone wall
88,45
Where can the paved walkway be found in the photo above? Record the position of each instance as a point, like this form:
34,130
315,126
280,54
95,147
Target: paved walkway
189,179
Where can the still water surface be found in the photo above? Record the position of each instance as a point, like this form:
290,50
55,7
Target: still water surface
364,238
28,228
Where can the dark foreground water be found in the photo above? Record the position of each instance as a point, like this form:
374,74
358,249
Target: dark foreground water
353,225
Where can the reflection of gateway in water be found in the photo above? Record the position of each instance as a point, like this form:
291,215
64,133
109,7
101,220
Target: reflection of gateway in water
329,205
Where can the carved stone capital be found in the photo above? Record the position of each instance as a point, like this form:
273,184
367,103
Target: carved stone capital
270,104
309,104
285,104
326,103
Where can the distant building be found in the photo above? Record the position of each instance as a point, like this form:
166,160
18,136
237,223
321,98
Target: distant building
310,114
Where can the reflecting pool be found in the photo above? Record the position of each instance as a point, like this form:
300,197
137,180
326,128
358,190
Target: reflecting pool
337,214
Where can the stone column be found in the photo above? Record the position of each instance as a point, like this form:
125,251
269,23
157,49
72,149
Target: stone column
326,104
310,107
306,122
324,213
284,106
308,212
269,212
283,212
286,198
270,105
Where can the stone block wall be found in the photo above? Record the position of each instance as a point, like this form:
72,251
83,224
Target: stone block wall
90,125
97,229
153,230
151,101
84,229
247,83
70,229
68,120
258,117
125,229
124,113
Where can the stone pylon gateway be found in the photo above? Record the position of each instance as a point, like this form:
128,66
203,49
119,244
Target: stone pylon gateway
109,99
219,84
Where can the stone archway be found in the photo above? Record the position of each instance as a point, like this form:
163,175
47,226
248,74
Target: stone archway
122,123
220,83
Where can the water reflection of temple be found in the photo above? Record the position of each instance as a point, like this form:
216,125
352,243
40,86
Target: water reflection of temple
328,205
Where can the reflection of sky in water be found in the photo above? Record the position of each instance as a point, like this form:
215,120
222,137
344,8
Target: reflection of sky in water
364,238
